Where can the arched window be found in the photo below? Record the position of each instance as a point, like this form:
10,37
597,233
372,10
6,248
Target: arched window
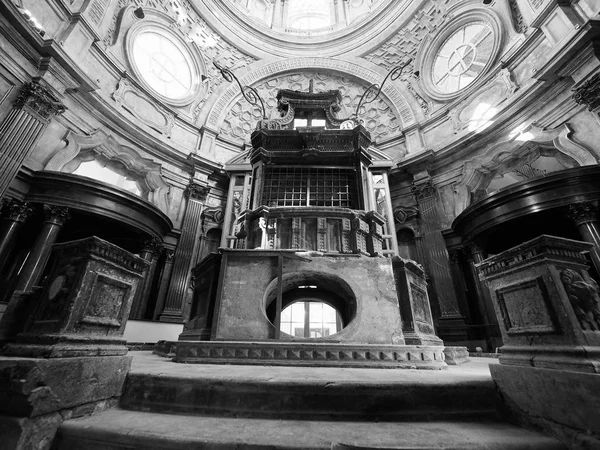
110,174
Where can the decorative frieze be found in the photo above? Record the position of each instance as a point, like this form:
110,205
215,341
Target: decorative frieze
332,355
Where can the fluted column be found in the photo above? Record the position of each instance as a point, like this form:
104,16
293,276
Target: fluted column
451,323
14,214
585,217
22,128
54,218
151,251
180,278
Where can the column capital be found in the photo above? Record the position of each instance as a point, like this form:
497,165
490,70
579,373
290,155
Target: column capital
169,253
423,190
197,191
16,210
56,215
39,99
583,212
588,93
153,246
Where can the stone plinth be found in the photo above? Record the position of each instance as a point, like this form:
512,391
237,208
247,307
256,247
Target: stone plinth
417,320
549,313
547,303
84,304
362,289
71,359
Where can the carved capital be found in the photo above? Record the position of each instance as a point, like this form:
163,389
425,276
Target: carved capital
588,93
16,210
583,212
169,253
56,215
423,190
455,254
197,191
153,246
471,250
40,100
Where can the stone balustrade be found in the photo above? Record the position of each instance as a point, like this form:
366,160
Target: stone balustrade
322,229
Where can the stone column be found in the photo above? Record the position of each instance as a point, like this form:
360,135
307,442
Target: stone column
54,218
151,251
180,279
22,128
475,256
14,214
451,323
164,276
585,216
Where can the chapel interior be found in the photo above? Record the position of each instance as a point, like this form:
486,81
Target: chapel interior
215,210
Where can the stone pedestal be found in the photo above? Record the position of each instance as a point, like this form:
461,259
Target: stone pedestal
71,359
417,321
547,304
549,310
84,304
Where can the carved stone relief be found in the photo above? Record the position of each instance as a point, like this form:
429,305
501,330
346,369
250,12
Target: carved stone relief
144,109
405,43
584,299
379,117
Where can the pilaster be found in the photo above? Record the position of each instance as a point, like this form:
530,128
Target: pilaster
21,129
180,279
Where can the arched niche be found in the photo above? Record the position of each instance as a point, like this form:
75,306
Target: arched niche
99,145
516,159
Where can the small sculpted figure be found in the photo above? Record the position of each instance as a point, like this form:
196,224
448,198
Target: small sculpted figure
584,298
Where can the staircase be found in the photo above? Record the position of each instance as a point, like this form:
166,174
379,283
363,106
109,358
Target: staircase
192,406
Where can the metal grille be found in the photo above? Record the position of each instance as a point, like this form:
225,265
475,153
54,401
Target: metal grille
309,186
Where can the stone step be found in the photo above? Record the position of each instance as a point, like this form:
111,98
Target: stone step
120,429
156,384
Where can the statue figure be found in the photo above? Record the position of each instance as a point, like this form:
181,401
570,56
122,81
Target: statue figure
584,298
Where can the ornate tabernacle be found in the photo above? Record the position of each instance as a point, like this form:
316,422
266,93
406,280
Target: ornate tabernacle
304,280
548,304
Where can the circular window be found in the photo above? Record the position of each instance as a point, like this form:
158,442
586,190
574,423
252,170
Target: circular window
164,64
459,55
462,57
